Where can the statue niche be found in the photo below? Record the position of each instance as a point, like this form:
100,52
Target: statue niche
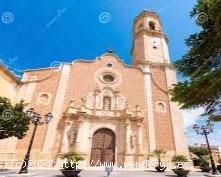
106,103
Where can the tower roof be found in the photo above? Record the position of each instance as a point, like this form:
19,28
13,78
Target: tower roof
147,13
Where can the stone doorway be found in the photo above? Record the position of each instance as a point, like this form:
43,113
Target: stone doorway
103,147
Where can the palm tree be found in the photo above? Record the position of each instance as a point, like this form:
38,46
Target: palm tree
158,153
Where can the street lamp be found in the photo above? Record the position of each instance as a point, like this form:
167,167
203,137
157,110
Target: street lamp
206,130
36,120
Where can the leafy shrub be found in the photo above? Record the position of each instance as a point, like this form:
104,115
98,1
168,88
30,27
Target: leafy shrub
72,159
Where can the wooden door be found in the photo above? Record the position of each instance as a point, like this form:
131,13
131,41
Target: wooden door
103,147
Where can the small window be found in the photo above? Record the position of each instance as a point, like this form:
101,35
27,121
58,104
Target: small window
152,25
108,78
160,107
43,99
109,65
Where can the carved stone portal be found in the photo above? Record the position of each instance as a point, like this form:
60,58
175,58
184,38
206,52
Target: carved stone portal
103,108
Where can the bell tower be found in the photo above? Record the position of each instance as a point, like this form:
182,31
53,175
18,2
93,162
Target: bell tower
149,43
150,54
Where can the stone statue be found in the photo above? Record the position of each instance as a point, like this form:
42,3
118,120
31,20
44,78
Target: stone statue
83,101
133,140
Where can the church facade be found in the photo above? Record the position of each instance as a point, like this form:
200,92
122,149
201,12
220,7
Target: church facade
104,109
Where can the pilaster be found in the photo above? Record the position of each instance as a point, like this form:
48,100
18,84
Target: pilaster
150,117
57,110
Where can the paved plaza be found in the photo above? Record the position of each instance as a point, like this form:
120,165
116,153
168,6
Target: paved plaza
94,173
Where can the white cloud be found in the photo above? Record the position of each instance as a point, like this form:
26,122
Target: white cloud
191,116
218,132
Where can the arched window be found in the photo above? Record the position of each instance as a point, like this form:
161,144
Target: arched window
152,25
43,99
106,103
160,107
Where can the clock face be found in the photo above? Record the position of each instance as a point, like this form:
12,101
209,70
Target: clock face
155,42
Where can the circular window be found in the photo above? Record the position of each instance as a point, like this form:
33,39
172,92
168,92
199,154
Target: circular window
108,78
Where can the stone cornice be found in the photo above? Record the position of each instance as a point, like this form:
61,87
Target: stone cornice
47,68
73,112
154,33
166,65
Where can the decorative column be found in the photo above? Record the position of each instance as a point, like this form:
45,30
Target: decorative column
65,143
128,134
116,99
96,99
79,136
128,155
139,138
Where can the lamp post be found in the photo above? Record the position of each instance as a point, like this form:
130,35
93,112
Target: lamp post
36,120
206,130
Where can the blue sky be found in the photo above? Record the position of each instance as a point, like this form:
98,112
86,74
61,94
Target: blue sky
37,33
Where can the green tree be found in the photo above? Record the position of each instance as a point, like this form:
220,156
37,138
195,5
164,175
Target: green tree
201,65
13,119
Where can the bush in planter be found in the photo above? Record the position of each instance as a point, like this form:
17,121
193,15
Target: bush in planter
70,167
205,167
204,164
196,162
202,157
158,153
179,161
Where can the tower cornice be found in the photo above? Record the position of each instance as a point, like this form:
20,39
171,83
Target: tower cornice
156,64
152,33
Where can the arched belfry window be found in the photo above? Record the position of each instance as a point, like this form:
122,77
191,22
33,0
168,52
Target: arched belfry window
152,25
106,103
